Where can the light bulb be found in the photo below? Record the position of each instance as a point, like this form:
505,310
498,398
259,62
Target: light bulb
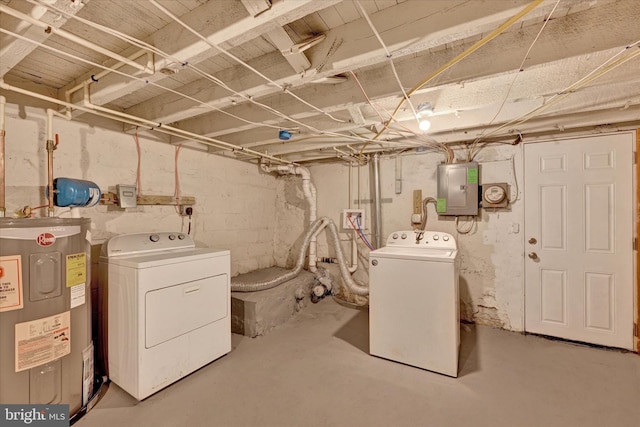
424,125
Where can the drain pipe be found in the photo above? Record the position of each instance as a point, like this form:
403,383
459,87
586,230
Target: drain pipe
377,201
3,184
322,222
309,191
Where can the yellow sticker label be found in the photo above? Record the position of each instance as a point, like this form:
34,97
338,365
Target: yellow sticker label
76,269
11,283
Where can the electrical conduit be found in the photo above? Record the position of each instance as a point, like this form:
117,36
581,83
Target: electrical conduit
319,223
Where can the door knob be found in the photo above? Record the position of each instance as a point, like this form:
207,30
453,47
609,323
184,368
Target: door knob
533,241
533,255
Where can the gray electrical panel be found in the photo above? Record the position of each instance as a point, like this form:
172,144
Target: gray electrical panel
457,189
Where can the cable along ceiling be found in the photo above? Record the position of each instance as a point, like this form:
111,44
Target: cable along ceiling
345,134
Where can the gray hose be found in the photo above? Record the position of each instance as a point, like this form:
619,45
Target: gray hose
315,226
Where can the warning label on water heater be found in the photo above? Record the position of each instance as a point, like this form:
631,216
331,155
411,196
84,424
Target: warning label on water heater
43,340
11,283
76,269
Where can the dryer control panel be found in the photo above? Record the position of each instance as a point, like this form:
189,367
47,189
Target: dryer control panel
419,238
139,243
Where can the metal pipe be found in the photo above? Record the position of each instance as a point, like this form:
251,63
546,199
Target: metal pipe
377,202
137,121
51,145
94,78
3,181
73,38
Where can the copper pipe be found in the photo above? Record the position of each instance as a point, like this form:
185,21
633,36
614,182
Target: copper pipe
2,175
51,145
3,178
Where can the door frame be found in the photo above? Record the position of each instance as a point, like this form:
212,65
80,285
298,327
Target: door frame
635,134
637,237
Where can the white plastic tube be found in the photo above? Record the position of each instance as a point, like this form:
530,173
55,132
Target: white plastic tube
351,284
73,38
310,195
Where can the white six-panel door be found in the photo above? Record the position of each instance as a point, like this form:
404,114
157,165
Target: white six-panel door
579,239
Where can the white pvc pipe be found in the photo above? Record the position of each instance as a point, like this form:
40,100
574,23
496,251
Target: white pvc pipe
354,253
73,38
101,74
352,285
309,191
137,121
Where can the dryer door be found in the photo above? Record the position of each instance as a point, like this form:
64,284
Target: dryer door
180,309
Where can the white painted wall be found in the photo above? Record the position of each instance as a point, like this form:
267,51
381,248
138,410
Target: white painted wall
491,264
261,218
235,203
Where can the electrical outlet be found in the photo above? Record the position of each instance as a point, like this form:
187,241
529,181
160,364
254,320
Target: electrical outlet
353,214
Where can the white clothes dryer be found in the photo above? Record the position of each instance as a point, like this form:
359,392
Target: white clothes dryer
168,308
414,314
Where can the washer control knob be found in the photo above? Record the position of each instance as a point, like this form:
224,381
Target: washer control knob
436,237
445,238
395,235
154,237
404,236
172,237
181,236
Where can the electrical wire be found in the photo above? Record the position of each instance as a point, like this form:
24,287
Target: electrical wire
143,45
153,49
425,203
389,57
472,152
241,62
469,227
446,151
360,234
486,39
210,77
598,72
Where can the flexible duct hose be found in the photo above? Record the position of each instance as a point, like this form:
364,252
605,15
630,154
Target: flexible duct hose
315,226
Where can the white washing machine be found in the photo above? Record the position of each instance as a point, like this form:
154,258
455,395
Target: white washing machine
413,301
168,308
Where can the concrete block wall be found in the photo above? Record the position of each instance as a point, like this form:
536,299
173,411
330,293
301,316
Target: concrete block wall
235,202
491,263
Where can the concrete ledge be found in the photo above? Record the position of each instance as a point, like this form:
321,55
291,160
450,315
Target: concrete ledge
255,313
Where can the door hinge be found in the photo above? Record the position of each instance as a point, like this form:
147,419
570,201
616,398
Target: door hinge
635,330
635,243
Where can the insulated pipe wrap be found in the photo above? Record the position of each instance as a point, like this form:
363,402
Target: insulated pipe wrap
261,286
354,287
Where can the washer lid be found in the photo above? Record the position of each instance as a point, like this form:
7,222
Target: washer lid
419,253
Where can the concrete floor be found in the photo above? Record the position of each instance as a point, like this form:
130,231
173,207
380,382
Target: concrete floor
315,370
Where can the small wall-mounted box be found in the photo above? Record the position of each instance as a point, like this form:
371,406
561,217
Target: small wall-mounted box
127,196
356,215
495,195
458,189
